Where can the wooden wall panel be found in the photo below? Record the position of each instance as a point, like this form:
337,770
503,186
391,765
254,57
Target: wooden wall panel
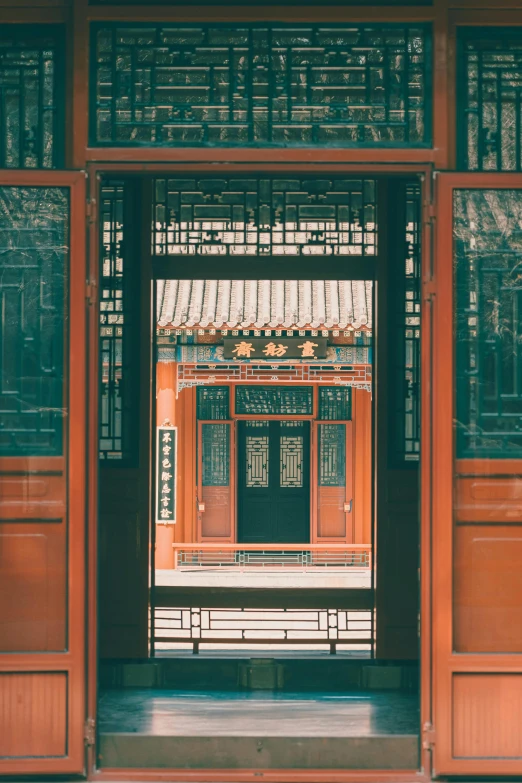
488,588
216,519
33,714
488,499
331,516
487,716
33,585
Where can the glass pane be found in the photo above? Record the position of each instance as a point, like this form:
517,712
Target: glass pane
216,455
488,307
31,117
335,403
257,454
291,454
489,102
261,84
246,216
34,237
274,400
213,402
332,455
34,294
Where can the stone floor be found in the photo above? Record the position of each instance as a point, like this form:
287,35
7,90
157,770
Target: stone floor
160,728
342,578
248,714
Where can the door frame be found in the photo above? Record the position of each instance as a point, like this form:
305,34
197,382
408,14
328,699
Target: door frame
240,450
70,662
447,662
424,171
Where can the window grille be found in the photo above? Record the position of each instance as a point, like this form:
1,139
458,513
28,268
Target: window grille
34,240
335,403
274,400
261,84
488,327
409,331
331,455
246,216
489,99
32,97
119,329
213,402
215,455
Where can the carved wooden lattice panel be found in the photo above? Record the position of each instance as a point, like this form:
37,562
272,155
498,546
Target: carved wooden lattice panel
332,455
216,455
257,454
31,119
490,130
274,400
246,216
260,84
488,324
212,402
291,455
335,403
33,288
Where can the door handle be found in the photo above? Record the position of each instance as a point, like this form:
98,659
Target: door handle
348,507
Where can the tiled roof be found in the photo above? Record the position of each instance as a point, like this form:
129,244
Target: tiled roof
287,304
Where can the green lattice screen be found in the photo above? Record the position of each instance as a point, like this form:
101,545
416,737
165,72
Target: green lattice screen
274,400
335,403
212,402
261,84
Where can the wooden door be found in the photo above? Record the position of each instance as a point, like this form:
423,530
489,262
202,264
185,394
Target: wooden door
273,482
477,476
215,497
333,482
42,473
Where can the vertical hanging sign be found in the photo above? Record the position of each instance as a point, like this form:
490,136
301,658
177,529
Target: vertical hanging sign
166,454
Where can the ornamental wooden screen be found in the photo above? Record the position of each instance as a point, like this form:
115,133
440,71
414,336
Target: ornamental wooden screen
477,470
42,473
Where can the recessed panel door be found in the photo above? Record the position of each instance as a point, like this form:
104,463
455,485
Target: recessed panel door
273,482
476,401
42,473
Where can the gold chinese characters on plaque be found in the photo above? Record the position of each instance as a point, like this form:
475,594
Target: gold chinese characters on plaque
270,348
166,454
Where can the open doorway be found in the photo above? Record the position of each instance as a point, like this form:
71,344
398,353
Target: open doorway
276,451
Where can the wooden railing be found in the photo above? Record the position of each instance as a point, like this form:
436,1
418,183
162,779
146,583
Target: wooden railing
246,556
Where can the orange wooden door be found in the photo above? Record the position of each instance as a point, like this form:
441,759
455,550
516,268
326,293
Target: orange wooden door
477,476
216,500
332,482
42,473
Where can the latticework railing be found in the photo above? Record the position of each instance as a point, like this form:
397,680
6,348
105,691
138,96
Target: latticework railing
280,556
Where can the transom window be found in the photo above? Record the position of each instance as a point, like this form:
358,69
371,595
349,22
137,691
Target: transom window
261,84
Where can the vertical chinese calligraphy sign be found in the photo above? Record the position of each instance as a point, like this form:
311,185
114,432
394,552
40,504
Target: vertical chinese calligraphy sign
166,464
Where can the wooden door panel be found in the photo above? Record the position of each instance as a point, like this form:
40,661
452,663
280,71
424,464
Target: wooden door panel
476,489
216,467
42,473
487,716
33,715
488,588
333,478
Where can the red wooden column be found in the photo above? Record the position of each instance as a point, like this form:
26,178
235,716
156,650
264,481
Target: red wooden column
165,411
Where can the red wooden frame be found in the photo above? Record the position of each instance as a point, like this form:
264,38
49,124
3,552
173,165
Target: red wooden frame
447,16
71,662
446,662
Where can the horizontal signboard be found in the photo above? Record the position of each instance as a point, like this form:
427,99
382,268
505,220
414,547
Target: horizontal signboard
268,348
